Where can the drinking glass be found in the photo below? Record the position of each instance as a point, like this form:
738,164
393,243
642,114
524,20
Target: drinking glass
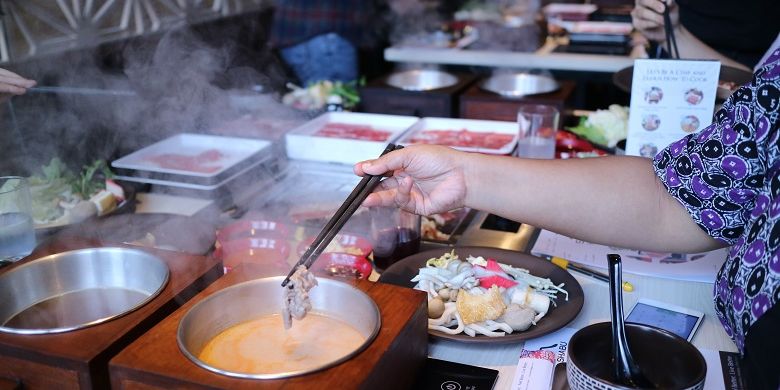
538,124
17,235
395,234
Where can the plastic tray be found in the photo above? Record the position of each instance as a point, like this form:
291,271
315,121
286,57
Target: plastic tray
201,187
230,155
598,27
567,11
303,143
470,125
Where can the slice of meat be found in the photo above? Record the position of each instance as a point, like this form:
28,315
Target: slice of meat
209,155
296,296
463,138
203,162
353,131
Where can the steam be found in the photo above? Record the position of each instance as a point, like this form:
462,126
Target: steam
177,83
181,84
178,75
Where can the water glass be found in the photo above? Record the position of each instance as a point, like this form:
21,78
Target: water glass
395,234
538,124
17,234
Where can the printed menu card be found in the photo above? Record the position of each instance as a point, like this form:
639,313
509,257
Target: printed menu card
696,267
669,99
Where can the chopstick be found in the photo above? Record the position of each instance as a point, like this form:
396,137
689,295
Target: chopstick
80,91
337,221
671,41
566,264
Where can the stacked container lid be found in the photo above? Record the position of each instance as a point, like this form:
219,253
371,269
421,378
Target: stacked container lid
194,163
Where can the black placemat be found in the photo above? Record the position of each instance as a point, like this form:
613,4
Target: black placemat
445,375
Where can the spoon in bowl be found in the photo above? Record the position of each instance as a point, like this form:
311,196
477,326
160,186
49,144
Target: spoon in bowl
626,371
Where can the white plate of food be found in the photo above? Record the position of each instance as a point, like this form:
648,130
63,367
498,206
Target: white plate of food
469,135
193,158
345,137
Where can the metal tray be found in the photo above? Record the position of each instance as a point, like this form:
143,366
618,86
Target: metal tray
77,289
421,80
235,154
516,85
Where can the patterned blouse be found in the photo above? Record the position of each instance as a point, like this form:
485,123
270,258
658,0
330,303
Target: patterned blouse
728,178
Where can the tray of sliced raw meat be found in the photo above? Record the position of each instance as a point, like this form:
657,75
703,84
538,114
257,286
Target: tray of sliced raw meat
471,135
193,159
345,137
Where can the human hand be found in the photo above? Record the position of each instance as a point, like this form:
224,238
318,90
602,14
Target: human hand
648,18
426,179
12,84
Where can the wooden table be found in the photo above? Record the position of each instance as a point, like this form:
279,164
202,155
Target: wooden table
380,97
476,103
391,361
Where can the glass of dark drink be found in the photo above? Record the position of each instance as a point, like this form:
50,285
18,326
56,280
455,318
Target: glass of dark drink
395,234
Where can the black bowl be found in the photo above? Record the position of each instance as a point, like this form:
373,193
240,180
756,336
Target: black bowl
667,360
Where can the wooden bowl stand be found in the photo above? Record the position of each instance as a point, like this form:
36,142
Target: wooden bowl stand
391,361
79,359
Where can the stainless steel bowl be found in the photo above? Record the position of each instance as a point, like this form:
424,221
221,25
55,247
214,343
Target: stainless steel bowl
521,84
250,300
421,80
77,289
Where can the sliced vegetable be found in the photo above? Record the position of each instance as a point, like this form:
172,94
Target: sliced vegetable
495,280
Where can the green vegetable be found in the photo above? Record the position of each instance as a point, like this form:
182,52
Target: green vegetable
442,261
348,91
84,184
54,171
56,183
591,133
605,127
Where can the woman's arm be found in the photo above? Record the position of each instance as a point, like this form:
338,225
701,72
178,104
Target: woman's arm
615,201
691,47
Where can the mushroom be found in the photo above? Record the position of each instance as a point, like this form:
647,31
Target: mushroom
435,307
460,325
445,293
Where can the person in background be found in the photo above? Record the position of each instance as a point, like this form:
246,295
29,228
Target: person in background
12,84
320,39
737,33
715,188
